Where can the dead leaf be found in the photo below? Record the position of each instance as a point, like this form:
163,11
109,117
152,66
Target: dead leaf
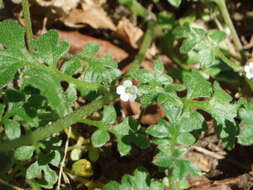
128,32
65,5
78,41
92,15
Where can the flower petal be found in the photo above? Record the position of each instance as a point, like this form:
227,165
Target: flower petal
246,68
120,89
249,75
132,97
127,83
124,97
135,89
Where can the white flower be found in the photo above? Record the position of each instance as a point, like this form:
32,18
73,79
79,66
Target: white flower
249,70
127,91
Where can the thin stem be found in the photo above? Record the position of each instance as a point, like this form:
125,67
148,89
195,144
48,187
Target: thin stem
225,14
80,85
10,186
234,66
63,160
147,40
44,132
138,9
28,23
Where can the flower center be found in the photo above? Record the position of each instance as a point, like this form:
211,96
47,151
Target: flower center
129,90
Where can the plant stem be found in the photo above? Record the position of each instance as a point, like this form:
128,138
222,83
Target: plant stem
28,23
235,67
44,132
80,85
138,9
147,40
225,14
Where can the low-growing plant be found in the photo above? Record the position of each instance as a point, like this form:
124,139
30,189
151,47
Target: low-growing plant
38,95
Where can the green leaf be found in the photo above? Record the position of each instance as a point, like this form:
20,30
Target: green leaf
128,133
12,129
164,160
24,153
140,181
33,171
217,36
246,114
10,61
93,154
160,130
191,120
109,114
50,87
197,85
175,3
103,70
166,20
71,67
246,136
220,106
12,34
172,106
90,50
199,45
184,167
142,75
158,67
123,147
50,175
112,186
224,113
186,139
56,160
99,138
47,49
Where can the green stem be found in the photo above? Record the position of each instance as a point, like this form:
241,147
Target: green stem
28,23
147,40
98,124
138,9
44,132
80,85
234,66
225,14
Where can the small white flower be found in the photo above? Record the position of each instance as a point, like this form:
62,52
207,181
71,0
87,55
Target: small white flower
127,91
249,70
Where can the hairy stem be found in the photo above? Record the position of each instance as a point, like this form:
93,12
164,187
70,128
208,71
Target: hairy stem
138,9
147,40
225,14
44,132
80,85
28,23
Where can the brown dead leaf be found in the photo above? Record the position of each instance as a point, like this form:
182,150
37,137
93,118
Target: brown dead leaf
65,5
128,32
92,15
78,41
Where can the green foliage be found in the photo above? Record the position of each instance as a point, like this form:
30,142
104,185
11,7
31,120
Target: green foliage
175,3
48,155
127,133
42,86
199,45
47,49
140,181
24,153
246,134
152,84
